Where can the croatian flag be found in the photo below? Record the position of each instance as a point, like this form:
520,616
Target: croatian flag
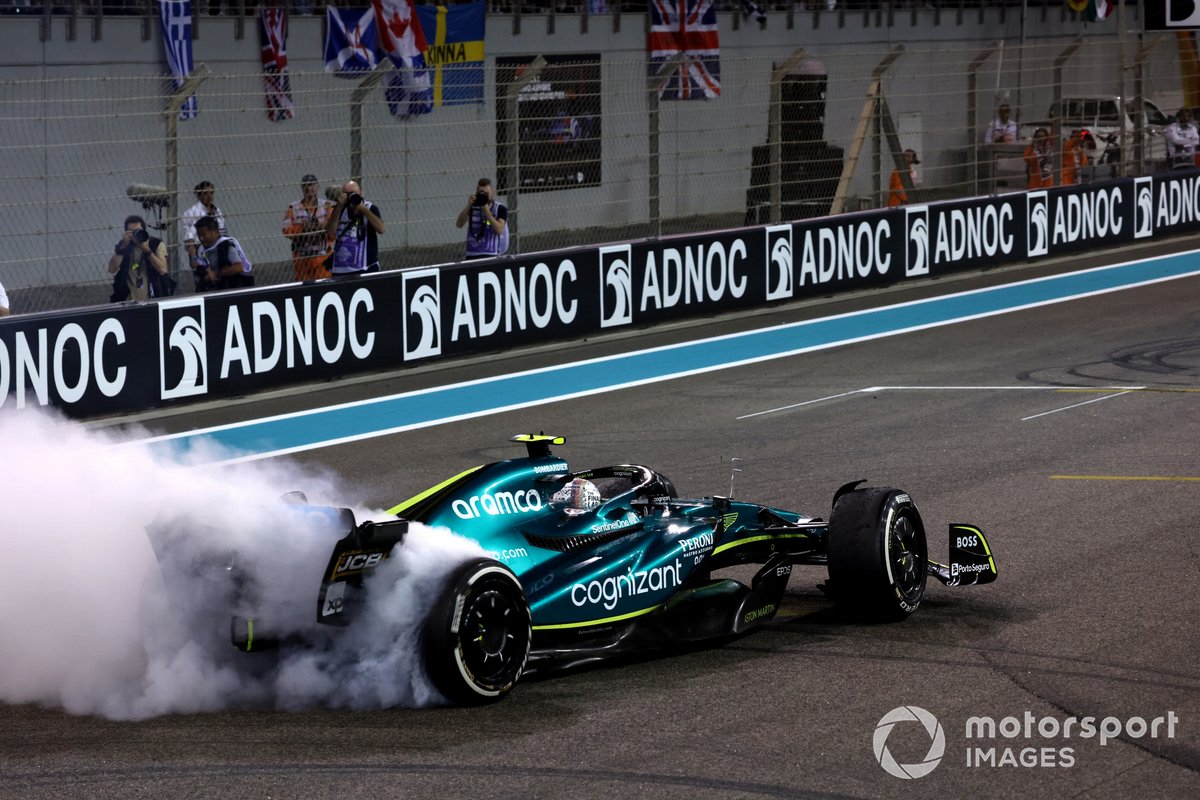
688,27
350,42
176,19
276,83
410,90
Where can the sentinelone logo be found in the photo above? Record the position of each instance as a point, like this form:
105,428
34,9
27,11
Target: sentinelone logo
1027,727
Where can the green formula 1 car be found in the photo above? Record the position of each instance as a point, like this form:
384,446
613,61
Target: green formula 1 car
592,564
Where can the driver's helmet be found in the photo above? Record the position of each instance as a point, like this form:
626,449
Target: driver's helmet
577,496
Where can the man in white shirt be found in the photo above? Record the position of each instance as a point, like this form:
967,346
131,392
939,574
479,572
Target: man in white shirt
205,207
1182,139
1003,129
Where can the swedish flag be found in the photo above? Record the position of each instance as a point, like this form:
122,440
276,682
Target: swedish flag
455,54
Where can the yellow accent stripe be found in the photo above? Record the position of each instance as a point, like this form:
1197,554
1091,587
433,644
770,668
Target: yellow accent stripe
418,498
604,621
763,538
249,634
1099,390
1185,478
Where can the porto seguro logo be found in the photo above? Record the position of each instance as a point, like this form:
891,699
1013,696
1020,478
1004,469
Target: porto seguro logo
917,257
931,727
616,286
1143,207
422,314
182,348
1038,206
781,276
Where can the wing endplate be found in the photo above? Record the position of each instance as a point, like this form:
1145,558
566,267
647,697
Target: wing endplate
971,559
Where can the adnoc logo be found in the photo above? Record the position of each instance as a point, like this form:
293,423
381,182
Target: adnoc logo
933,729
422,316
616,285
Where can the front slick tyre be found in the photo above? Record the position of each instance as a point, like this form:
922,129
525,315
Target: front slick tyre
877,554
477,637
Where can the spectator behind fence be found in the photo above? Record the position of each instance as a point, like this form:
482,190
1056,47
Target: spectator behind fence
1182,139
1003,129
1075,157
354,225
221,261
487,233
304,224
139,265
1039,161
205,207
897,196
4,308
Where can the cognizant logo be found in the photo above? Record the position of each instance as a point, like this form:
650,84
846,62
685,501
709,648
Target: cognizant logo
933,729
608,592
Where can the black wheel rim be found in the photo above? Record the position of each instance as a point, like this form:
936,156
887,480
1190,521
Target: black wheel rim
494,636
906,549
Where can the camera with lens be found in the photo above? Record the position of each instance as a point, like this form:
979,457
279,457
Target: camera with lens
354,200
140,236
481,199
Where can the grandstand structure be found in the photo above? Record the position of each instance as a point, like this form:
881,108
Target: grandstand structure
816,100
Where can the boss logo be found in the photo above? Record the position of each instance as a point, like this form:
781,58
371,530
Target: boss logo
966,541
616,285
781,274
1038,211
182,348
1143,207
917,255
422,314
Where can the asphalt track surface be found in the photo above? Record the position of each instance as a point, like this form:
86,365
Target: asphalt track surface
1089,496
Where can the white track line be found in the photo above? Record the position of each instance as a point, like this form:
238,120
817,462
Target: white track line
1120,390
1076,405
805,403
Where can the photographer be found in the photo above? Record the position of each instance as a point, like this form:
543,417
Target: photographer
355,225
205,206
4,308
139,264
221,261
487,235
304,224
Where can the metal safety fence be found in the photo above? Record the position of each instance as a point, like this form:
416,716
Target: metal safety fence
582,148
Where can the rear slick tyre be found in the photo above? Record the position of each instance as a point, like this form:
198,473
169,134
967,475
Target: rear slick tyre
477,636
877,554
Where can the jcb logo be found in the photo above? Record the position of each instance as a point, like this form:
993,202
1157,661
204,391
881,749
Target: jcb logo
967,541
355,562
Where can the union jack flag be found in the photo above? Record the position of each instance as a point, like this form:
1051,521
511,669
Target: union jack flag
276,83
410,90
688,27
350,41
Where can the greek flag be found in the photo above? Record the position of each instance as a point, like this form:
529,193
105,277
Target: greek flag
176,18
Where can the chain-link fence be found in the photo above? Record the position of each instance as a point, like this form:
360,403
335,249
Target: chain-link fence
580,146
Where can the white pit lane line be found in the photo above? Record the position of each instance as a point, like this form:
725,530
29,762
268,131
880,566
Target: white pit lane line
1117,392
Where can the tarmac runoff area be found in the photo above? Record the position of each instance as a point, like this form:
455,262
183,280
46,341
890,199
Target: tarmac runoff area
1066,430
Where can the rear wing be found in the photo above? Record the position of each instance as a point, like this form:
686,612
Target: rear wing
971,559
354,556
